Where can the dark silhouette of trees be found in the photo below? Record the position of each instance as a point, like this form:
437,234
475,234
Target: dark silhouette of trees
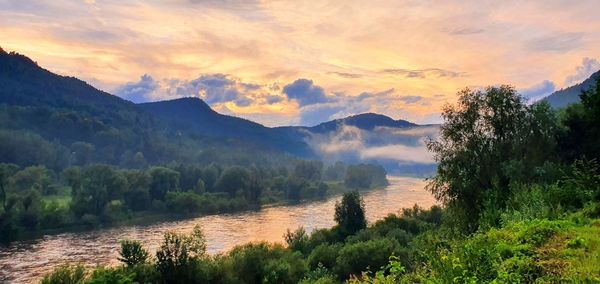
350,213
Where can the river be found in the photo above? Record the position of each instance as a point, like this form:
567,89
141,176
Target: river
27,261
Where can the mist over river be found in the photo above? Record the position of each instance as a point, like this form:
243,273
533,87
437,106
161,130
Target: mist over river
27,261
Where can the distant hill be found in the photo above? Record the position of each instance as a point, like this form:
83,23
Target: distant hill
365,121
194,115
570,95
62,121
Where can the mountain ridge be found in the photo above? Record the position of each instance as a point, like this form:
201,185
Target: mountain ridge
570,95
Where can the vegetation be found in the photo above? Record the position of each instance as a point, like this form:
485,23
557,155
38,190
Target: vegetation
521,204
37,199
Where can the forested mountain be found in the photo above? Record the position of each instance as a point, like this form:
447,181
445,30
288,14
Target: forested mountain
195,116
62,121
570,95
365,121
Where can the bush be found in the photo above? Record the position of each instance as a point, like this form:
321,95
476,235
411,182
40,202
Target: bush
66,274
265,263
132,253
364,256
324,255
179,258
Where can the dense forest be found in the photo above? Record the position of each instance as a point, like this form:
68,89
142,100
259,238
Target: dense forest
519,186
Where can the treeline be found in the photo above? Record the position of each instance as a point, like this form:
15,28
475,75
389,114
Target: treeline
520,189
36,198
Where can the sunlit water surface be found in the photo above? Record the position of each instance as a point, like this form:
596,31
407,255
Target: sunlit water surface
26,262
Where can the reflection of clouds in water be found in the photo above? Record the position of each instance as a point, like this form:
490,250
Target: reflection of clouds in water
27,261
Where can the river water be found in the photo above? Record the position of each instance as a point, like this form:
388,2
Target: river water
27,261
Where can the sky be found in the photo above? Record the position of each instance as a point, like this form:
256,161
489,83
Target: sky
305,62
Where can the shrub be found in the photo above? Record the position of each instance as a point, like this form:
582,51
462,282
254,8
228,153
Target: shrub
66,274
363,256
132,253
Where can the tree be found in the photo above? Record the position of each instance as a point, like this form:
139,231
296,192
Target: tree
178,255
100,185
6,171
162,181
309,170
37,177
132,253
486,139
350,213
582,123
234,179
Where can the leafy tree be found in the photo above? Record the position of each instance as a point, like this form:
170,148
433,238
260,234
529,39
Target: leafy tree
32,209
178,256
132,253
309,170
6,171
350,213
163,180
137,194
297,240
482,139
37,177
582,123
234,179
100,185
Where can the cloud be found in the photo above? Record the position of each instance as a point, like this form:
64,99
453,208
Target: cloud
314,114
214,89
352,144
418,154
305,92
139,92
557,42
466,31
410,99
539,90
423,73
347,75
585,70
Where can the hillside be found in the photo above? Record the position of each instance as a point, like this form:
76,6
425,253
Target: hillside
570,95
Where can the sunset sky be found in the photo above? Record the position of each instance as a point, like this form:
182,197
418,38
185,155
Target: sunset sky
304,62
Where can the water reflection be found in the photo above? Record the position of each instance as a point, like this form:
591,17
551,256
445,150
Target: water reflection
25,262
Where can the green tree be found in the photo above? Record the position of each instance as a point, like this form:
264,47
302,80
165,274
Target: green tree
309,170
132,253
486,138
6,171
178,257
582,127
100,185
162,181
350,213
234,179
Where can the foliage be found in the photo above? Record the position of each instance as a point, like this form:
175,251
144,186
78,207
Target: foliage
485,138
178,256
350,213
66,274
132,253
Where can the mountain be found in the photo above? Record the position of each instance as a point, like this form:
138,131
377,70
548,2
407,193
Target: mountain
194,115
62,121
365,121
570,95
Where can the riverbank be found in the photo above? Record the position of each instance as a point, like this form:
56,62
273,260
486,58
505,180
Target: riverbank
27,260
145,218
